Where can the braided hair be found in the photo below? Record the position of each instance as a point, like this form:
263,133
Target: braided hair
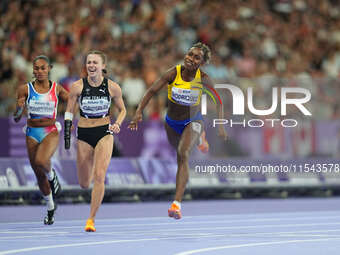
206,51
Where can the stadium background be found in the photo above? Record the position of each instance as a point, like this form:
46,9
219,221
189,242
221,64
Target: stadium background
257,44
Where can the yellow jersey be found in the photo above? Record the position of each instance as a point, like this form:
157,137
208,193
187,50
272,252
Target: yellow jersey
185,92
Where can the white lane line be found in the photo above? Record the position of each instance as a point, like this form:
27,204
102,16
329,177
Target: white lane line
172,223
195,234
308,235
97,220
38,248
264,234
173,229
74,245
254,244
23,237
257,215
32,232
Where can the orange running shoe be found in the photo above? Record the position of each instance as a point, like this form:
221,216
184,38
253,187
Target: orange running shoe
203,143
174,212
90,226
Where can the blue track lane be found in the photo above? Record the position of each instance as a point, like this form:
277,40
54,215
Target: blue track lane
280,227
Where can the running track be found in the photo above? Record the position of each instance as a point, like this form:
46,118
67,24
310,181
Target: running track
266,226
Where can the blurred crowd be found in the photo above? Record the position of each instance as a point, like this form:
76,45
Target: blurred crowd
254,43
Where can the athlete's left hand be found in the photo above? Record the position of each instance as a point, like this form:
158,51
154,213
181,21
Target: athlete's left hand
222,133
134,122
115,128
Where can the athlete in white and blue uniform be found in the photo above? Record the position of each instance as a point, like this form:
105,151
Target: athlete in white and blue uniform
40,98
42,106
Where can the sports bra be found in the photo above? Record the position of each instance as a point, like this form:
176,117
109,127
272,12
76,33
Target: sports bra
95,102
185,92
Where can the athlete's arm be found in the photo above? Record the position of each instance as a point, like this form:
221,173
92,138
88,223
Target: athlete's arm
116,93
207,82
75,92
165,79
21,101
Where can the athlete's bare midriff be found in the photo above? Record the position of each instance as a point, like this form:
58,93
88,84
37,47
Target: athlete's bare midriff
88,123
181,112
45,122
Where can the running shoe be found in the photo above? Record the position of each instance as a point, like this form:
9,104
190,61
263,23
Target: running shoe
90,226
174,212
49,218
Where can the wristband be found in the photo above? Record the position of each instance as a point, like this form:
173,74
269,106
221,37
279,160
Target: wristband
68,116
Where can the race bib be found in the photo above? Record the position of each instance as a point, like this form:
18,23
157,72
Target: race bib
95,106
185,96
42,108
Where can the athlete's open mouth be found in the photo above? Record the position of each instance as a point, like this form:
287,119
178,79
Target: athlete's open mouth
187,62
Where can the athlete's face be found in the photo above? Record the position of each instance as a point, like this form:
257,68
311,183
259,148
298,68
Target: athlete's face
94,65
41,69
193,59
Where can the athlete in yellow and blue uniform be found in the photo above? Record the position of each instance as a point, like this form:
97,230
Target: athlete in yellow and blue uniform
183,120
186,93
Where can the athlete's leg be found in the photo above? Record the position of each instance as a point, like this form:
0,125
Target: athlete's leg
32,147
45,151
173,136
42,159
188,139
183,144
203,144
84,164
102,157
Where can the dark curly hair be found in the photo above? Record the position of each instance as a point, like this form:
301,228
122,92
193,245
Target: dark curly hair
206,51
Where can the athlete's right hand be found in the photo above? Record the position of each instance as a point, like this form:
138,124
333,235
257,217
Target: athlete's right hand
134,122
21,102
20,108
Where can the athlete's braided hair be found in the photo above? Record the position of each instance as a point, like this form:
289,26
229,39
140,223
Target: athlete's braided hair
206,51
